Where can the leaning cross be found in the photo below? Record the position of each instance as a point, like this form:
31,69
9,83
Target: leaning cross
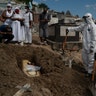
23,89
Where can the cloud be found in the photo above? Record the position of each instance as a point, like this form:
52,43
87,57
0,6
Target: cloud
91,6
56,0
87,6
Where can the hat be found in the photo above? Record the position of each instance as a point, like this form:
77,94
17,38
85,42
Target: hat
87,15
9,5
17,8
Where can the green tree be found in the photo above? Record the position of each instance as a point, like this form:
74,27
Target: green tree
68,13
77,16
24,1
43,5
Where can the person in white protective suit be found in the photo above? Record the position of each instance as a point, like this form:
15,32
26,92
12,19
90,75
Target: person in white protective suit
88,29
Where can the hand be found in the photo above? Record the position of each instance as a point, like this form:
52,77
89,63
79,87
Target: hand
67,31
18,19
30,26
91,51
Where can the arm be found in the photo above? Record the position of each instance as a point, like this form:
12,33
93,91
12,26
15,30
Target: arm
2,19
5,29
30,20
4,15
17,18
5,32
48,18
78,28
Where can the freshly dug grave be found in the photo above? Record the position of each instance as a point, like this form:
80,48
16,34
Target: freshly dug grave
55,78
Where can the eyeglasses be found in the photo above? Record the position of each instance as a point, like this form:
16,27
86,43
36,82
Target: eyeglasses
86,16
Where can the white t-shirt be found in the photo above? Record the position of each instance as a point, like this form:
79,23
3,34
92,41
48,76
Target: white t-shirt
8,21
28,17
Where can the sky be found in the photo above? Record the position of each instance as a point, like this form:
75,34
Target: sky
76,7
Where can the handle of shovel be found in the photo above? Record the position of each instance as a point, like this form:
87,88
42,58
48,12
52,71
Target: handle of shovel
64,43
94,68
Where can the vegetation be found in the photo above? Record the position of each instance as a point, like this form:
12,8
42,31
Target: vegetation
43,5
68,13
24,1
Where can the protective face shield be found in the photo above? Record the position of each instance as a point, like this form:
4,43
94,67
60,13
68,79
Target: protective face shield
87,17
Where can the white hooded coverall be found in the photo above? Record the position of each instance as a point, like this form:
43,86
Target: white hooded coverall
88,30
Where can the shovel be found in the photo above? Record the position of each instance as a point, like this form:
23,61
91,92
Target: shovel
92,87
64,43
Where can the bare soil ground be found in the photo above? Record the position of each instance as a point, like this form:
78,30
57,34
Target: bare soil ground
55,80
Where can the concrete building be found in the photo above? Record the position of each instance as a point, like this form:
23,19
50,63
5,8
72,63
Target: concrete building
57,31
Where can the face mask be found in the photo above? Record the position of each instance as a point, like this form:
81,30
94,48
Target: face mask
17,11
25,10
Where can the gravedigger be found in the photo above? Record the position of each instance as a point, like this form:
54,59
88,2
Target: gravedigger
88,29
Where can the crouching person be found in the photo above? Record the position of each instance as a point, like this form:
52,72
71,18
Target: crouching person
6,34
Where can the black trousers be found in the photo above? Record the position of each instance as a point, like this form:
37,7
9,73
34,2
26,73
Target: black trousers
8,37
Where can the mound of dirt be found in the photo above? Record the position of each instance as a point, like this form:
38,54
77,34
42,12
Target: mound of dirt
55,80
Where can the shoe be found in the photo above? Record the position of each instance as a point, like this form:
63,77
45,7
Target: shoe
45,43
6,42
21,43
16,44
29,43
41,43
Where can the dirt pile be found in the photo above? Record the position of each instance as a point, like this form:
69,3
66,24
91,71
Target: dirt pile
55,79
